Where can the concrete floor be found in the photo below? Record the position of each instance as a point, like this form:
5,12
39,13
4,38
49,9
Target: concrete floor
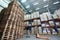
33,37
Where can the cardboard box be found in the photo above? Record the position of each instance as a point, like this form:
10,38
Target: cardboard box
55,16
32,30
57,23
40,30
57,12
51,23
54,32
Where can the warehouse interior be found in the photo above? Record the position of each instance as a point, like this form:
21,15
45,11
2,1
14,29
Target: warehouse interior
29,19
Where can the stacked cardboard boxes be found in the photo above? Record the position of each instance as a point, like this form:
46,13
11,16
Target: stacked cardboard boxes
47,20
31,16
32,30
36,22
34,15
57,12
26,17
40,30
44,31
54,32
51,23
44,16
55,16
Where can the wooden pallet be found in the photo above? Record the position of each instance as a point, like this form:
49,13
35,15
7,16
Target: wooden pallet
14,25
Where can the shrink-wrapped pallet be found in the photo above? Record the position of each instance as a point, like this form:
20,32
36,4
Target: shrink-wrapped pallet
57,12
51,23
57,23
40,30
35,22
26,23
36,14
32,30
55,16
38,21
49,15
43,25
26,17
32,15
44,31
36,29
41,17
54,32
48,31
45,16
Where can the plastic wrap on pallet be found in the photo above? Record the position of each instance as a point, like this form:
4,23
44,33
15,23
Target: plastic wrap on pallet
32,30
44,31
47,25
48,14
57,23
48,31
36,29
57,12
51,23
45,15
43,25
40,30
55,16
54,32
35,15
26,23
35,22
38,21
26,17
42,18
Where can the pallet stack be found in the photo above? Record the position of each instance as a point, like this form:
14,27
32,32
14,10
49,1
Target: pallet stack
3,20
12,22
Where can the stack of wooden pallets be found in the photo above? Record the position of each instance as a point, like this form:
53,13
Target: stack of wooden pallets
12,22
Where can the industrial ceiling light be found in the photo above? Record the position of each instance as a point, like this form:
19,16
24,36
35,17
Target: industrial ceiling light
30,11
56,2
36,3
23,1
28,6
44,0
46,5
37,8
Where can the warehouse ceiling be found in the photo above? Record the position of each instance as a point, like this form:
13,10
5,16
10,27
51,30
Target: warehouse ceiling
40,5
34,5
4,4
